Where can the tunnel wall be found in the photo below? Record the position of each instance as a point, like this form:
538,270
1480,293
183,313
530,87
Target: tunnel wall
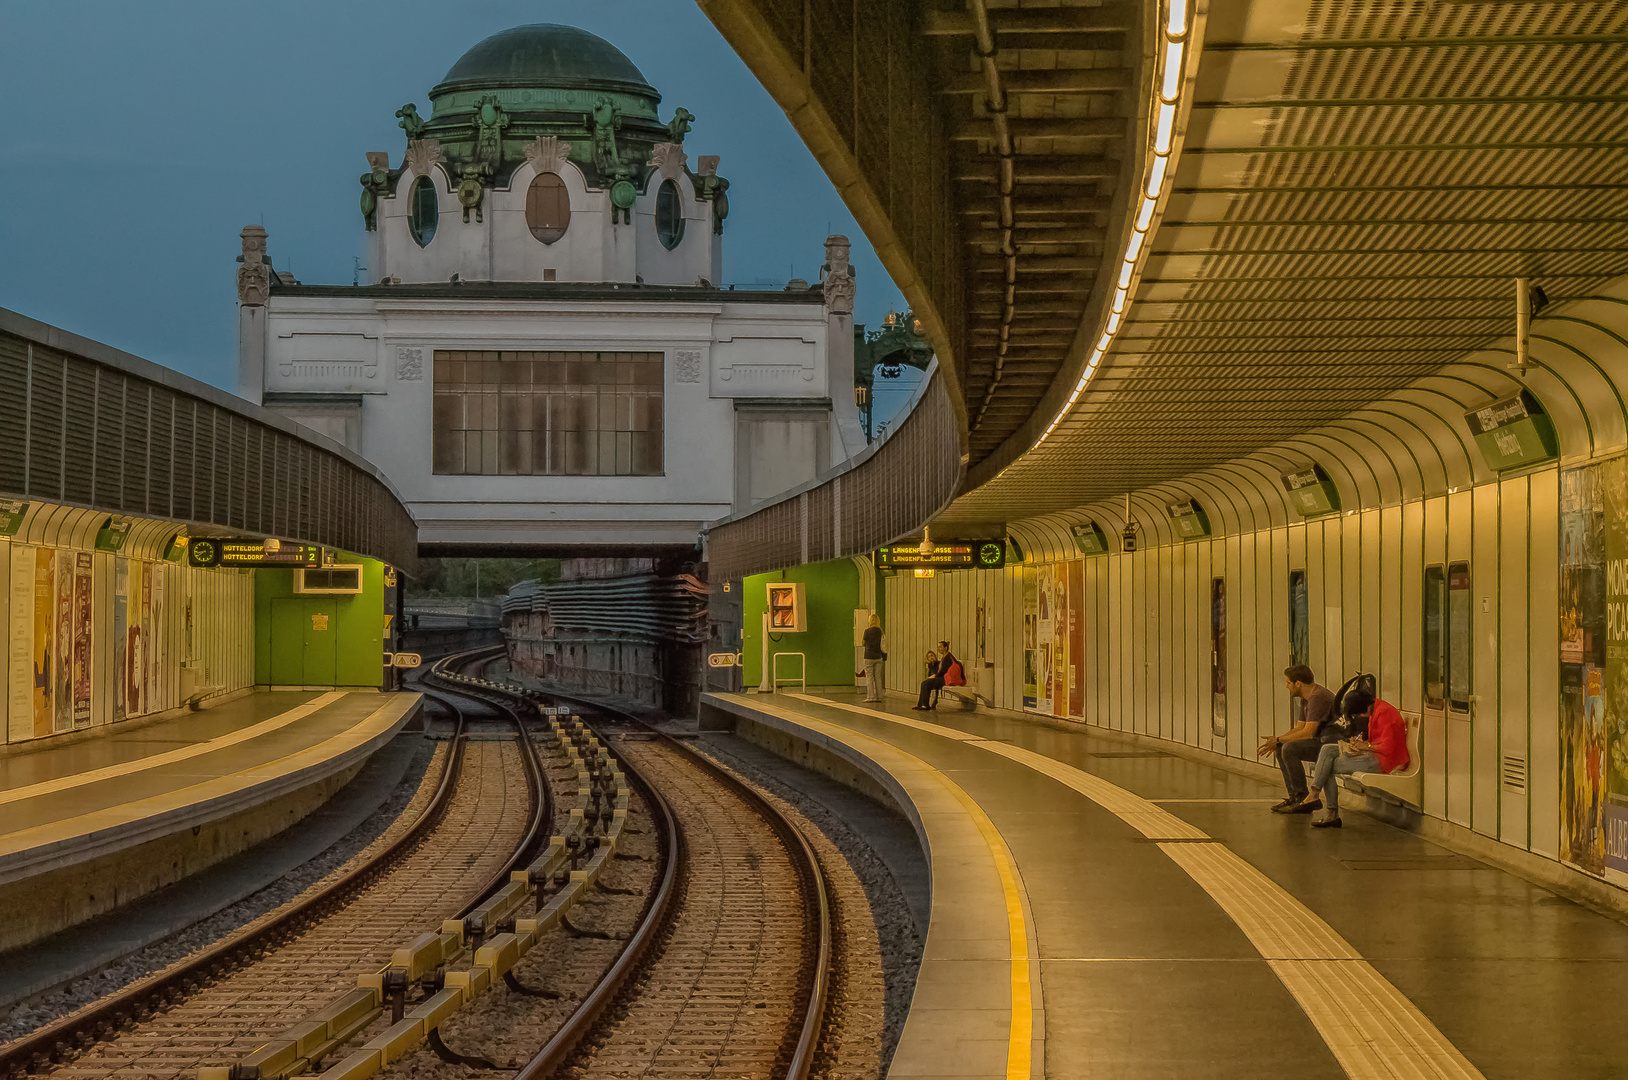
1530,748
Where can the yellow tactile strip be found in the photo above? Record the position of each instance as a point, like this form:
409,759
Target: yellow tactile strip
153,761
1371,1027
1025,993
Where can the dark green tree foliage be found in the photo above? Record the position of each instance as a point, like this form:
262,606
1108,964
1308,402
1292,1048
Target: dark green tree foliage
480,577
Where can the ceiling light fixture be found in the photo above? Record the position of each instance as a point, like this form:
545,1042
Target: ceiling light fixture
1172,82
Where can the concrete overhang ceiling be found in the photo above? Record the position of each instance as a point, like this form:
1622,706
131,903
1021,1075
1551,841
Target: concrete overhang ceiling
1357,185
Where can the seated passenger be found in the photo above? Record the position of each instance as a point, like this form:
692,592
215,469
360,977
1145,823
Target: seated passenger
1300,747
1377,743
936,671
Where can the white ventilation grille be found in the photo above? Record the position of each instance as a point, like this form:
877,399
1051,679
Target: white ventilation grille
1514,773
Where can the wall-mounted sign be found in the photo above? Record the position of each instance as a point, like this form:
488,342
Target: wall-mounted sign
1311,491
12,512
1513,431
402,660
952,555
247,554
112,534
175,547
721,659
1089,538
788,610
1189,519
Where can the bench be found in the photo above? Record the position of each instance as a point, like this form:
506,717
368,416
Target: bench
1402,788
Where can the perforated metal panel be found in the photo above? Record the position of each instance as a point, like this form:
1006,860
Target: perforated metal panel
91,433
1356,194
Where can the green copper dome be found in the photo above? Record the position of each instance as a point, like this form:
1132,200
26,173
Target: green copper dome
546,55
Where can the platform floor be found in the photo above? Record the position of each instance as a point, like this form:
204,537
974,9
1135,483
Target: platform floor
1107,910
59,805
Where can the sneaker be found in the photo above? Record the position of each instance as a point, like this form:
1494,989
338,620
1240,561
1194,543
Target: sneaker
1328,819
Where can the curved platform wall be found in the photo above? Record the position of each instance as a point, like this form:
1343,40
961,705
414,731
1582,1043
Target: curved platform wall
1533,752
96,637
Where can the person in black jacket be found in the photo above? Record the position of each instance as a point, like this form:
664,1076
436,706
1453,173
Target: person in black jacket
935,677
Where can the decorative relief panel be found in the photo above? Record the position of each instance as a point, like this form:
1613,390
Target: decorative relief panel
766,367
687,365
327,361
409,365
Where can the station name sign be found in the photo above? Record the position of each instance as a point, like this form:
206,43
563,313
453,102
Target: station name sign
232,551
955,555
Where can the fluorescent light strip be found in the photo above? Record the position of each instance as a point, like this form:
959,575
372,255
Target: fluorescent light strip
1171,84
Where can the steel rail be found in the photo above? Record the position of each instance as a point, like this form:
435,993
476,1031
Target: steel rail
580,1024
61,1040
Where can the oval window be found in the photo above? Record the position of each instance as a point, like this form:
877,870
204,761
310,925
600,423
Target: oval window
548,208
669,215
423,211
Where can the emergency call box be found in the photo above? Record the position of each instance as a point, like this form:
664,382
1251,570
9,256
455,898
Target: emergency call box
788,609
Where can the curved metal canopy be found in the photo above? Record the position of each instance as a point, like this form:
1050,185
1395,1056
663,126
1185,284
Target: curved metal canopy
1359,185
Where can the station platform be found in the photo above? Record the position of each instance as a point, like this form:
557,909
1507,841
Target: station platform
1102,908
87,827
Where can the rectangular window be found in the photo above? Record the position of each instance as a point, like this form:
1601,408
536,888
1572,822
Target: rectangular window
521,413
1435,638
1458,636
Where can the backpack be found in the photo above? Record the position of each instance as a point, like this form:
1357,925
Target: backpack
1362,681
955,676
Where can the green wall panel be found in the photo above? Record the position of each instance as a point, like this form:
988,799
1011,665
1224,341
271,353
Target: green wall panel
291,645
832,595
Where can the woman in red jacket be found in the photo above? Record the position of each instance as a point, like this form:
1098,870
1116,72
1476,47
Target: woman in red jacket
1379,744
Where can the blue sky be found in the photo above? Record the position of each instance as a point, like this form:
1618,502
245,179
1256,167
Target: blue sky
143,137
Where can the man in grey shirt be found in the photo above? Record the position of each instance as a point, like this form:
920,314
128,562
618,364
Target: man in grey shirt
1300,747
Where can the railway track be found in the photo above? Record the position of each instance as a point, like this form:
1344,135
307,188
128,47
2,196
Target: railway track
735,981
460,837
724,968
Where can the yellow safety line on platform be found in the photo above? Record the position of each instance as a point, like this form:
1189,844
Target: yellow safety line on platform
1371,1027
153,761
1020,1040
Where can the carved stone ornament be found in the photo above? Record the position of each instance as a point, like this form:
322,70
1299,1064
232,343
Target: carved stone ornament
679,125
837,276
411,122
711,187
490,121
422,154
687,365
471,192
548,153
669,159
375,182
409,365
254,276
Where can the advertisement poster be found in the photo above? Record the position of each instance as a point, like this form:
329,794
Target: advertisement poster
64,641
20,707
1045,625
81,638
1613,700
1031,638
1583,683
45,650
135,660
121,627
1060,642
1076,638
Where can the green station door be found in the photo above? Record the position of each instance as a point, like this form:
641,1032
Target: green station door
304,641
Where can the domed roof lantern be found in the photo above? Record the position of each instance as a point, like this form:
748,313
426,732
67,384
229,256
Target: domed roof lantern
546,56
